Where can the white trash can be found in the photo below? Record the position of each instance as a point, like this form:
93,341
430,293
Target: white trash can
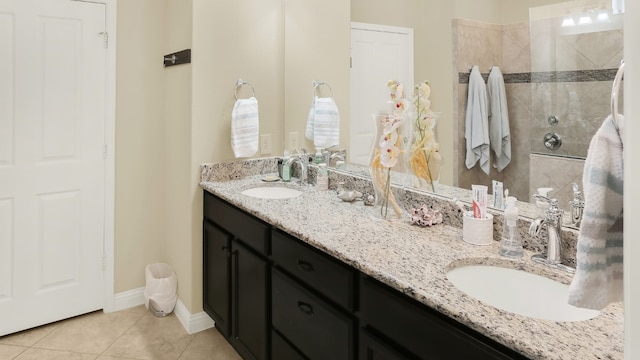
161,290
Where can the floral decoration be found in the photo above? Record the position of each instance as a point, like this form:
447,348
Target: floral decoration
424,158
389,149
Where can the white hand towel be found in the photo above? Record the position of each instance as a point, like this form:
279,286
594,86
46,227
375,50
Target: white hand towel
323,123
499,134
598,278
476,123
245,127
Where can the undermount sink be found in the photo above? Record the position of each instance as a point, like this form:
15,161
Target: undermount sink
518,292
272,192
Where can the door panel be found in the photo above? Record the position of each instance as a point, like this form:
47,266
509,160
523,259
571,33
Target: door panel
378,54
6,89
52,119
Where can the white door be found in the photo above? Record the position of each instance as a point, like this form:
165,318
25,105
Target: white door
52,116
378,54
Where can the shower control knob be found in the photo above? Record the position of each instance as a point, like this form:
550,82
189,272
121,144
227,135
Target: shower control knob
552,141
553,120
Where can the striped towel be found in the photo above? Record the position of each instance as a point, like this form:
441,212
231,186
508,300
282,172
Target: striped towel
598,278
323,123
245,127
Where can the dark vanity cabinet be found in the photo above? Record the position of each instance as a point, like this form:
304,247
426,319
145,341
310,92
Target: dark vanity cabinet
236,276
394,326
276,297
216,276
312,301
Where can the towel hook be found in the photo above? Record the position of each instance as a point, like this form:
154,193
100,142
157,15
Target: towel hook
615,92
316,84
239,84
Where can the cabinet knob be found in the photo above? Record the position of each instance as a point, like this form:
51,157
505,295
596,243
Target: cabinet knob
306,266
305,308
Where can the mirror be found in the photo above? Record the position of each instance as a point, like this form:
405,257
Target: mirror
567,78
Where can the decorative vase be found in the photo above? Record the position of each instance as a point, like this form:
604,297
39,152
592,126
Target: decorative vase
387,162
424,156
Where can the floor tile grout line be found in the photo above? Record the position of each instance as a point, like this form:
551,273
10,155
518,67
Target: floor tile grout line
142,314
193,338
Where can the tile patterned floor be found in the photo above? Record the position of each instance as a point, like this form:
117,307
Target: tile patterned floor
128,334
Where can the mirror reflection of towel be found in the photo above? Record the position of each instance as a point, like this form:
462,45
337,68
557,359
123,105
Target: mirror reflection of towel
323,123
476,124
245,127
499,133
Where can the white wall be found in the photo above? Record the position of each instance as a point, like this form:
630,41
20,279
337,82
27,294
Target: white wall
140,139
177,146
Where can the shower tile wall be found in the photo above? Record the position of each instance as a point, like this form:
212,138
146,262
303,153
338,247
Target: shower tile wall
581,102
557,173
546,73
486,45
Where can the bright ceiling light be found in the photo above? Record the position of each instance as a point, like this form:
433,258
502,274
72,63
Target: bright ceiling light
584,20
603,16
568,21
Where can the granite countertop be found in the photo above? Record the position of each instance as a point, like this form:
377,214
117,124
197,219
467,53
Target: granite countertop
415,261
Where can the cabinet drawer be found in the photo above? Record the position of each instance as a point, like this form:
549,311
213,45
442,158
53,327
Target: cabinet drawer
281,350
317,329
421,330
320,271
374,348
251,231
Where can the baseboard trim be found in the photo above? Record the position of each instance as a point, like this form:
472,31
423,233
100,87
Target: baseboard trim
128,299
191,323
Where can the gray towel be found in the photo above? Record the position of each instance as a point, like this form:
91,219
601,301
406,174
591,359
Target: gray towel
477,123
499,134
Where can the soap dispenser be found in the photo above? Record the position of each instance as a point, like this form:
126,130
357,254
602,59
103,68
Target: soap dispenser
510,243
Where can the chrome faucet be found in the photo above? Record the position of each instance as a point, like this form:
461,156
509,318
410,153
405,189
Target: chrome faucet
337,156
303,160
577,206
328,155
553,222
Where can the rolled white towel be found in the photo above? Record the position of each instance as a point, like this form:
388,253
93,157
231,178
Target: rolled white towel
245,127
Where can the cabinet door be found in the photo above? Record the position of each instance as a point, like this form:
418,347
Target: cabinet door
216,281
422,330
373,348
249,302
282,350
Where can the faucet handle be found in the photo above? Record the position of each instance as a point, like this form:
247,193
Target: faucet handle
577,194
552,202
553,212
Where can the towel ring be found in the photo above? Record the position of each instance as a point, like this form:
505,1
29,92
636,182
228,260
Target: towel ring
317,84
615,92
239,85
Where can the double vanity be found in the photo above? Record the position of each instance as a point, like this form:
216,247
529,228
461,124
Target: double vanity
305,275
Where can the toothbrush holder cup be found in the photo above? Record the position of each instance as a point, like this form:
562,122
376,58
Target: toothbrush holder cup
477,231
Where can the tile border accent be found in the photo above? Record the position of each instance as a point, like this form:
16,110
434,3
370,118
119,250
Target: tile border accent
549,76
